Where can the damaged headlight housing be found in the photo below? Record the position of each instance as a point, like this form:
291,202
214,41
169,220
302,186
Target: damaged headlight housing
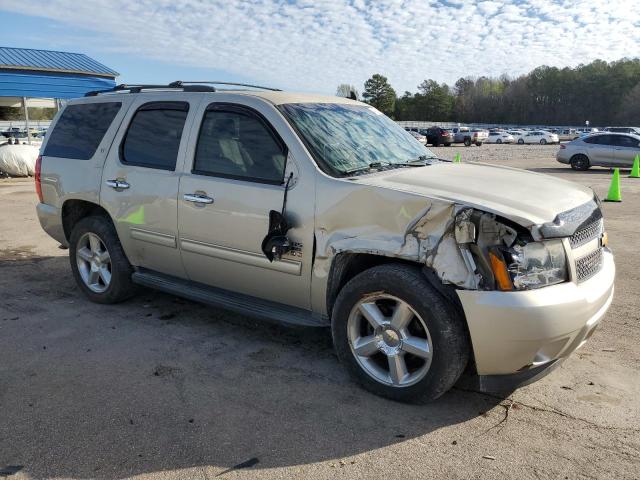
537,264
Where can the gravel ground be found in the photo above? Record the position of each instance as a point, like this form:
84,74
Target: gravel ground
160,387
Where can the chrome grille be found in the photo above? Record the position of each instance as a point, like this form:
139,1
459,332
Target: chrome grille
586,234
588,265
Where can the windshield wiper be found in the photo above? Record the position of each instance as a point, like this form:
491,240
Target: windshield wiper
421,161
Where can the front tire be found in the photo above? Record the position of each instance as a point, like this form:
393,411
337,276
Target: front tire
98,262
467,142
499,141
478,144
580,162
543,141
520,141
397,336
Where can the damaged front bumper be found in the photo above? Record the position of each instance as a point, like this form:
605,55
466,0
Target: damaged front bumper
518,331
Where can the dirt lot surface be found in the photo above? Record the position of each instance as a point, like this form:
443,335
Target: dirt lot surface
159,387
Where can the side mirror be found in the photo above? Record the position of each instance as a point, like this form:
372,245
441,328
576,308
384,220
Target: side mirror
276,247
276,243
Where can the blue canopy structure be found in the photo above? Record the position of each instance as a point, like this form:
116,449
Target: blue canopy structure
32,73
44,74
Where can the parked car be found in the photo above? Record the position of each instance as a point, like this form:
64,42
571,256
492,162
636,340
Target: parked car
322,211
634,130
568,134
538,136
516,134
587,131
437,136
468,136
421,138
15,132
499,137
600,149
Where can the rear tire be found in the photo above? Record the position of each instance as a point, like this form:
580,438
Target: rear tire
98,262
580,162
520,141
467,142
543,141
436,144
414,363
499,141
447,144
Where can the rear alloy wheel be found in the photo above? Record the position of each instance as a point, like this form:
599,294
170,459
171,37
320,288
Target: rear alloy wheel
580,162
520,141
99,264
397,336
94,262
543,142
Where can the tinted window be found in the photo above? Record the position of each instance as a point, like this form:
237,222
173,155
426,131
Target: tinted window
599,139
80,130
154,134
237,144
624,141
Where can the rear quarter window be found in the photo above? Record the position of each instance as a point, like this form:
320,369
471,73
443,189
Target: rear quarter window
80,130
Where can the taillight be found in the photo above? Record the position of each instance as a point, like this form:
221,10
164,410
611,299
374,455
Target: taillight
444,134
37,178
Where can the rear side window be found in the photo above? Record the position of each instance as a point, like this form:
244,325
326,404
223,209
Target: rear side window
599,140
154,134
624,141
80,130
236,143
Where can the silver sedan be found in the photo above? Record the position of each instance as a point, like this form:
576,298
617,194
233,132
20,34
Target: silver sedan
600,149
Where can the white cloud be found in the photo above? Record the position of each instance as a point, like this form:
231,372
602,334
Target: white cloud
317,44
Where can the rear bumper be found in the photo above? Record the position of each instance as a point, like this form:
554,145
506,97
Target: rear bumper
563,156
51,221
512,332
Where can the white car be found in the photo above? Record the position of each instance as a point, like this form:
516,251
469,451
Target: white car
421,138
500,137
517,134
538,136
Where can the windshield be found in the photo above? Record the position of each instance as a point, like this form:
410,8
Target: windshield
346,139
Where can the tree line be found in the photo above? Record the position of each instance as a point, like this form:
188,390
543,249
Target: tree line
600,92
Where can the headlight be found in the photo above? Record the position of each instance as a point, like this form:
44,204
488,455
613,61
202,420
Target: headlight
537,264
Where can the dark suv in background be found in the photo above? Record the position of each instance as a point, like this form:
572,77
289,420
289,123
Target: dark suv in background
438,136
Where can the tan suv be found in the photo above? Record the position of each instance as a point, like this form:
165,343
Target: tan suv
321,211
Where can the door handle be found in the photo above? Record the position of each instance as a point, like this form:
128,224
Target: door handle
197,198
117,184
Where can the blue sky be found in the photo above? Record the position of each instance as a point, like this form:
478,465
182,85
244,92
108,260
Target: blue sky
315,45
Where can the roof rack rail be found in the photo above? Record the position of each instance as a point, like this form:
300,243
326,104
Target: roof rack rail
138,88
179,83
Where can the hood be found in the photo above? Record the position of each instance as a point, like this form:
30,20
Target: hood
525,197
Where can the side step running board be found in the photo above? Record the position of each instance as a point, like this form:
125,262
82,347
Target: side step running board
236,302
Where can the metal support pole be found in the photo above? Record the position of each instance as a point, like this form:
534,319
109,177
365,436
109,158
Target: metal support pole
26,118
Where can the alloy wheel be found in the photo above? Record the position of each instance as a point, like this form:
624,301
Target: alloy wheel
94,262
389,340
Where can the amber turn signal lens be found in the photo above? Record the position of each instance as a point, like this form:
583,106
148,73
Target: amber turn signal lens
499,268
